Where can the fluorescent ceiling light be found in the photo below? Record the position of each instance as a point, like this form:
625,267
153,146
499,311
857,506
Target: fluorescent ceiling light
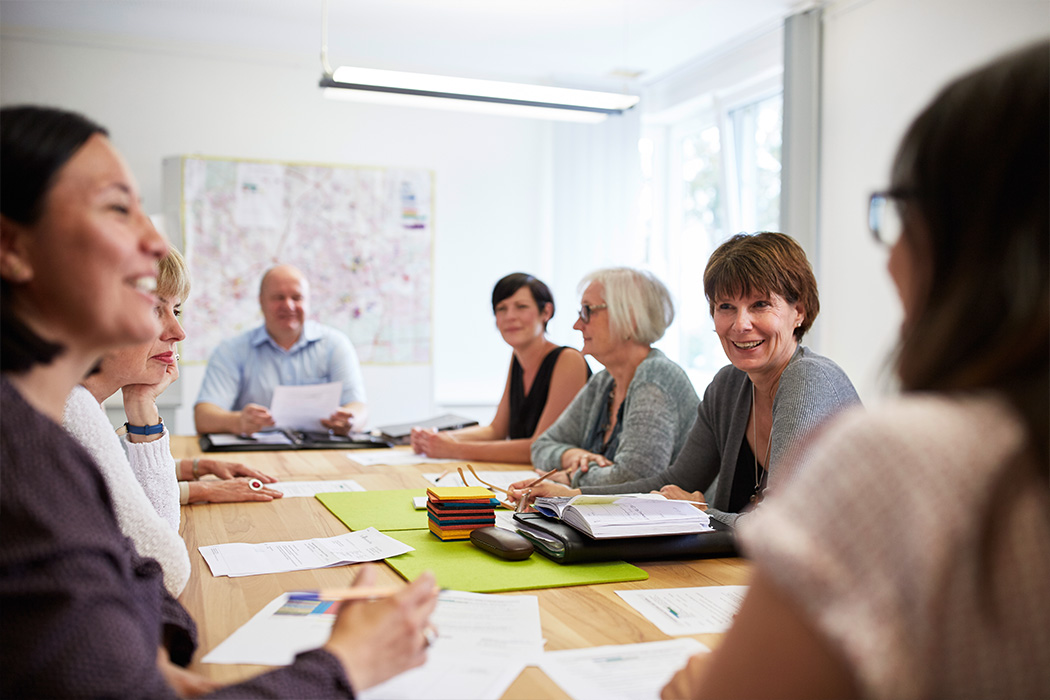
444,92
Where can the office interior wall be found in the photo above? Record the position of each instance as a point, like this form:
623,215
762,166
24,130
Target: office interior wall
883,61
491,184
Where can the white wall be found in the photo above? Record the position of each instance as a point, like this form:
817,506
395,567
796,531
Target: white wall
883,61
492,186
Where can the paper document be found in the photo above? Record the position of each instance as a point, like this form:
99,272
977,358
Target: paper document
394,458
496,478
303,407
240,559
483,643
624,671
677,611
302,489
272,640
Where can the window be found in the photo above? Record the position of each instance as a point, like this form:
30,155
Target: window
706,177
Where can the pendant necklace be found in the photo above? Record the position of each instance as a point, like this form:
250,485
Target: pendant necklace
760,476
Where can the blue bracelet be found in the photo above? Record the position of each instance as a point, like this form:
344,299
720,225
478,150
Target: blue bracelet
145,429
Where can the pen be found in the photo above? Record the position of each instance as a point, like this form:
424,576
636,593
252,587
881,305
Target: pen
333,594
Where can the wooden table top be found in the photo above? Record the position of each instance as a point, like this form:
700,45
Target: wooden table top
571,617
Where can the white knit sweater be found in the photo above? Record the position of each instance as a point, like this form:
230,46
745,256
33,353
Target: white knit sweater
142,484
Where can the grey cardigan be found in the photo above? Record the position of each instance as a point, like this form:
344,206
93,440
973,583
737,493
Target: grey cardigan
657,413
812,388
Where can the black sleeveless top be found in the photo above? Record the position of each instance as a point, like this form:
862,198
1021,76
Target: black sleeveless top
744,480
525,410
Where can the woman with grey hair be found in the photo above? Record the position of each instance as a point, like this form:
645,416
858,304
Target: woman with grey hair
631,419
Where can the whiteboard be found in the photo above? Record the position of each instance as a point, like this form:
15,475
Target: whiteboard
363,237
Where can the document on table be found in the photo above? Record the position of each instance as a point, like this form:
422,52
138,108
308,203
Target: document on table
394,458
496,478
240,559
303,407
677,611
271,437
483,643
619,672
302,489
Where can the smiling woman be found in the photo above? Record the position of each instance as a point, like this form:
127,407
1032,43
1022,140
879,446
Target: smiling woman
83,610
763,297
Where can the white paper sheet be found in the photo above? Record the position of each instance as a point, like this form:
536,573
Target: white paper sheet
272,437
483,643
501,479
393,458
272,640
302,489
619,672
240,559
677,611
303,407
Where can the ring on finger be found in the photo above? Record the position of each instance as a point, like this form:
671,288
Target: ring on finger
255,484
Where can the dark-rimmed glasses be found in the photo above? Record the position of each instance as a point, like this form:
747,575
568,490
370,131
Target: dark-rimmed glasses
587,309
884,215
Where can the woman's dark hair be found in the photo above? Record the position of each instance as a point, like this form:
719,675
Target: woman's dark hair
510,284
763,263
975,166
35,143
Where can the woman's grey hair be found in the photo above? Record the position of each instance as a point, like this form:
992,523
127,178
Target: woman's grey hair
639,305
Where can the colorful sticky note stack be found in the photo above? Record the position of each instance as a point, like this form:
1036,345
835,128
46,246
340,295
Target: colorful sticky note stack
453,511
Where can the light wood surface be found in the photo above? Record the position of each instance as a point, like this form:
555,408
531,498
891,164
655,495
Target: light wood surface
571,617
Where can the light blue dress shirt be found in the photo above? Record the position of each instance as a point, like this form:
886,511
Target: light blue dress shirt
246,369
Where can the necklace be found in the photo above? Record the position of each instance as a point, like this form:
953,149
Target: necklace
759,486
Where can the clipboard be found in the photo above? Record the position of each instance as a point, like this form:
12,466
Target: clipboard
279,440
400,433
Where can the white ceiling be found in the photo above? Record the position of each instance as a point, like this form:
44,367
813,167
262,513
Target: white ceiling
571,42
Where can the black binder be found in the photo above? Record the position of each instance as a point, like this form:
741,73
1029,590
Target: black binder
567,545
290,440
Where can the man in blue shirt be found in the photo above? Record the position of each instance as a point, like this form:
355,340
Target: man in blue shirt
286,350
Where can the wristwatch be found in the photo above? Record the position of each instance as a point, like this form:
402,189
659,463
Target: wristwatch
145,429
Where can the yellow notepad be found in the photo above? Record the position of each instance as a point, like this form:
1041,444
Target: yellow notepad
459,493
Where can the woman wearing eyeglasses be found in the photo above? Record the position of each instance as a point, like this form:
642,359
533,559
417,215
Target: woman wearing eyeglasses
542,380
631,419
911,558
763,299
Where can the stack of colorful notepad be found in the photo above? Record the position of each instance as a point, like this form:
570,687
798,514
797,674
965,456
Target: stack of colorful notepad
454,511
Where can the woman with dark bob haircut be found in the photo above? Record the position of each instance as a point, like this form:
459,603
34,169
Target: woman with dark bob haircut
763,298
84,615
911,558
542,381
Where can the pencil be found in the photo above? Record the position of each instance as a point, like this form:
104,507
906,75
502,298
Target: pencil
542,477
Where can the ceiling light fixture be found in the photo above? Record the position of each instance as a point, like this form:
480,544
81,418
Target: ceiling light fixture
446,92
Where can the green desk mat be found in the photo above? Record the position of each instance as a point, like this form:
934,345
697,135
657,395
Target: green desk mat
383,510
460,565
463,567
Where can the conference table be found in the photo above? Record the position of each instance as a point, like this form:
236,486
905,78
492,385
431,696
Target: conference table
571,617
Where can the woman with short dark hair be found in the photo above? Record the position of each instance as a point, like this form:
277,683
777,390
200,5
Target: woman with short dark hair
542,380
